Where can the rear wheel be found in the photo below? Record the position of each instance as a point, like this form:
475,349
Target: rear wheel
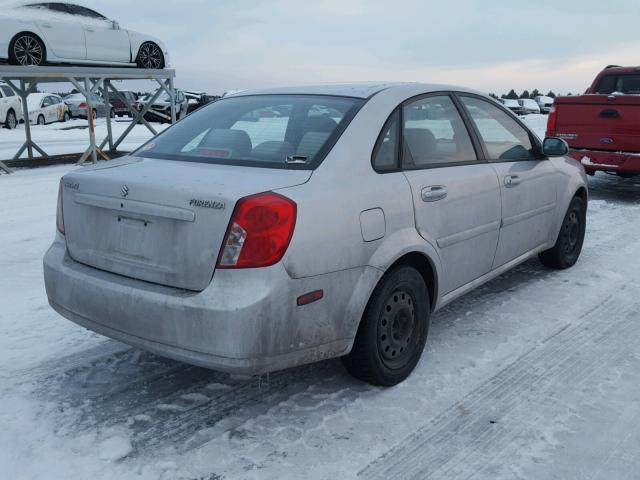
11,121
41,120
393,330
150,56
27,49
566,251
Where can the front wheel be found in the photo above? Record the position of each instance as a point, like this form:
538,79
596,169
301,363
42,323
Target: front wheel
150,56
393,329
566,251
11,121
41,120
66,117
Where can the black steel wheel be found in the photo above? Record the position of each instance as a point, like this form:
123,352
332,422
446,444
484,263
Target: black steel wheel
27,49
566,251
11,121
393,329
150,56
41,120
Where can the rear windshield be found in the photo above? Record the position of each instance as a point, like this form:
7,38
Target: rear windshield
273,131
626,84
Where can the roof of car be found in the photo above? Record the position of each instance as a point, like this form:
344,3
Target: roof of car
357,90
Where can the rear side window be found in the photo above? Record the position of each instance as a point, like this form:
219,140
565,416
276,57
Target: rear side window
626,84
7,91
386,151
503,137
434,134
275,131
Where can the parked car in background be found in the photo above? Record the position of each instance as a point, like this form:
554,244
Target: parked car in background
253,246
529,106
160,110
512,105
120,107
41,33
545,103
198,99
10,107
603,126
47,108
78,106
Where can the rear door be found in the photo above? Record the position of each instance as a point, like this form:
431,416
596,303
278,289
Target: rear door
61,30
456,196
528,182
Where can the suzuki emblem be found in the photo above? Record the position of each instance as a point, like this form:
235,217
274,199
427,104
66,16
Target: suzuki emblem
124,190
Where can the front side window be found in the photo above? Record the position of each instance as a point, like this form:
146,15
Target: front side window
275,131
47,102
85,12
434,134
502,136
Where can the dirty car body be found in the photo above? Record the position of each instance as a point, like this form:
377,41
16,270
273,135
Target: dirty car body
361,178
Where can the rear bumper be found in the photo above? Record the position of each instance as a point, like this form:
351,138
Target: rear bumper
246,321
621,162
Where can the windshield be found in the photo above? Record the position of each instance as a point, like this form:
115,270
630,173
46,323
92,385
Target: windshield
275,131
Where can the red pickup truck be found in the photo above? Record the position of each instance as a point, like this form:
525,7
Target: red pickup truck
602,127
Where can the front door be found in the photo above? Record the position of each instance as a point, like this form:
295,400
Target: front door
528,181
456,196
104,42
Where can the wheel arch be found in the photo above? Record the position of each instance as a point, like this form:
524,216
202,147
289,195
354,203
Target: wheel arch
582,194
425,266
29,32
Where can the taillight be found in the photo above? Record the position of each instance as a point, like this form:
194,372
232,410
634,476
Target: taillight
60,211
552,123
82,105
259,231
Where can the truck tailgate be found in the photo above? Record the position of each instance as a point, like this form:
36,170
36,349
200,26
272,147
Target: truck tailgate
599,122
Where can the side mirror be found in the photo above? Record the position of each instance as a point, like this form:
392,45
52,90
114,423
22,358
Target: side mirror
554,147
115,25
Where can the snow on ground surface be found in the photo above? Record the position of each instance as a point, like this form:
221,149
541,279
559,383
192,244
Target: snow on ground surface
72,136
535,375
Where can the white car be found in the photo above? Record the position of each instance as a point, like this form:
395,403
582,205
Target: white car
513,105
545,103
40,33
47,108
10,107
529,105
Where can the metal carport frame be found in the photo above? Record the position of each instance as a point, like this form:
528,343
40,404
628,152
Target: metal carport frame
88,81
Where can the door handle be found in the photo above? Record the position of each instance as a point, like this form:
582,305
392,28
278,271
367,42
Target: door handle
511,181
89,29
433,193
46,25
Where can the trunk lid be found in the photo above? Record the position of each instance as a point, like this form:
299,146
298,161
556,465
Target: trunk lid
160,221
599,122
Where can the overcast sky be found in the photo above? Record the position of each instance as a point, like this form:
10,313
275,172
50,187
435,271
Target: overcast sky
490,45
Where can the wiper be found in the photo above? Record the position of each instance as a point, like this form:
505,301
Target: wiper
296,159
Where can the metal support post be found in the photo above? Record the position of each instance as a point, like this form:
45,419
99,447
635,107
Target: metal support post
107,104
172,95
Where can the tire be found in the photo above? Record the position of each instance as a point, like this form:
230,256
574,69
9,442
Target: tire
27,49
150,56
66,117
393,330
11,121
566,251
112,114
41,120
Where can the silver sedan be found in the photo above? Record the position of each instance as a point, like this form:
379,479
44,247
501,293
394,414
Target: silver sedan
280,227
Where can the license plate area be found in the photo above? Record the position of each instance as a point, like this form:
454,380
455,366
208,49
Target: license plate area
132,236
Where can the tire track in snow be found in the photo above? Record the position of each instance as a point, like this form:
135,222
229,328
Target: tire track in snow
460,441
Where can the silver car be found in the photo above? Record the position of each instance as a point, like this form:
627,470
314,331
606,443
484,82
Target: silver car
77,104
281,227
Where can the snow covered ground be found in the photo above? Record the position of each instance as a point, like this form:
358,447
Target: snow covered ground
535,375
72,136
